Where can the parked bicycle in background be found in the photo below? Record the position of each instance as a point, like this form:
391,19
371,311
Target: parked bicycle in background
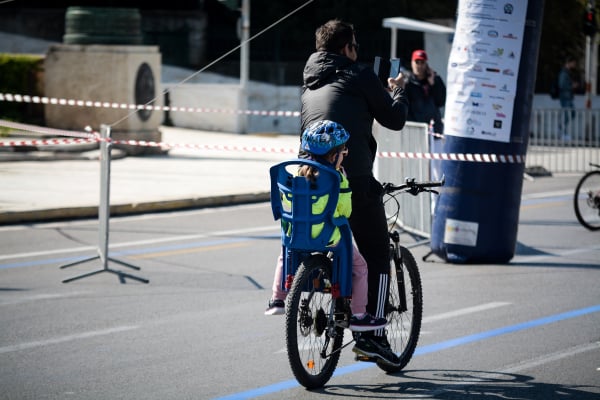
587,199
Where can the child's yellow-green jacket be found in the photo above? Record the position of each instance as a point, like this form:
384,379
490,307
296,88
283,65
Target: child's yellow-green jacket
342,209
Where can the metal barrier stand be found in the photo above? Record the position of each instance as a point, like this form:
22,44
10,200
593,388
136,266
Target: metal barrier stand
103,218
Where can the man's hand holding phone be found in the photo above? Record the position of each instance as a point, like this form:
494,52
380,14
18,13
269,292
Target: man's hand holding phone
398,81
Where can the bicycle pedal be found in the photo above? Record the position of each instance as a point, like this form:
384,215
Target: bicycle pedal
359,357
342,324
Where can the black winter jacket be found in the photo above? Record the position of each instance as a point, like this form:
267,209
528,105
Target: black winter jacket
425,101
338,89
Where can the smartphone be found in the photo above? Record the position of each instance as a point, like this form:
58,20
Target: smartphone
382,67
395,67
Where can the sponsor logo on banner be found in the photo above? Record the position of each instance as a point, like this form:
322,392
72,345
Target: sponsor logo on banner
461,232
486,52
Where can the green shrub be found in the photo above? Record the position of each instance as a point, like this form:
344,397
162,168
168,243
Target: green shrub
21,74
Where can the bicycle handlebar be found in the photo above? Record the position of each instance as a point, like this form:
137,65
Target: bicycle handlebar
413,187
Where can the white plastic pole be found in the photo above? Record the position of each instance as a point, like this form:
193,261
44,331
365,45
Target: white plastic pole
104,208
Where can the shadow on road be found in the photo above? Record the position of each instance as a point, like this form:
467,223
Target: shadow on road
464,385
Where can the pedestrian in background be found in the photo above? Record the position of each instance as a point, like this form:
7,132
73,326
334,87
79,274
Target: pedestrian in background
426,93
566,95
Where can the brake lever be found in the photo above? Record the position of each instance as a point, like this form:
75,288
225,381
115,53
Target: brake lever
415,190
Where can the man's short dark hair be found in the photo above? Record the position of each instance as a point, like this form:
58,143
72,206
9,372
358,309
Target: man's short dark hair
333,35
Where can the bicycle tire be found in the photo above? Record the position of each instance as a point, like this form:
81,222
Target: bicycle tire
404,327
587,207
309,329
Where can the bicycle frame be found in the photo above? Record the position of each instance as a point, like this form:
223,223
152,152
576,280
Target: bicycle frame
318,278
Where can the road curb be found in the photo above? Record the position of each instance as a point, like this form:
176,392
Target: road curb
56,214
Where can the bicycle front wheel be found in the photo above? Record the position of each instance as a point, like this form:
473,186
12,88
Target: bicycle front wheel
587,200
313,341
404,309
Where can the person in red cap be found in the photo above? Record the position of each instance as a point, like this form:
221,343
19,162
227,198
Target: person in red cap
426,93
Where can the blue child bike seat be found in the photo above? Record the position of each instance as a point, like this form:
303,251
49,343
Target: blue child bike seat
292,199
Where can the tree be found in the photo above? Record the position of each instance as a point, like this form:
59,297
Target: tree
293,39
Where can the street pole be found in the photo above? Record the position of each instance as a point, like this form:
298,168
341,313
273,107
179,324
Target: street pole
590,40
244,63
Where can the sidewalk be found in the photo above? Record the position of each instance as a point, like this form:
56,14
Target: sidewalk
53,184
202,169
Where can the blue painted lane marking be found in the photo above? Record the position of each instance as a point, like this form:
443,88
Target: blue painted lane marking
504,330
432,348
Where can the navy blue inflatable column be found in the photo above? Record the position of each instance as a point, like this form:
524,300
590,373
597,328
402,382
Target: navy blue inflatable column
477,214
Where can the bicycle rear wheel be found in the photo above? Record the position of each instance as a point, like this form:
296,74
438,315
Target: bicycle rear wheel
587,200
313,341
404,309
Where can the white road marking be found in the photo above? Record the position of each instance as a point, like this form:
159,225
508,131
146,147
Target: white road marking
47,296
547,358
570,252
64,339
464,311
558,193
484,377
450,314
274,228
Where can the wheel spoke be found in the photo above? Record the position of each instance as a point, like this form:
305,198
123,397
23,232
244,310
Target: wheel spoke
312,341
404,309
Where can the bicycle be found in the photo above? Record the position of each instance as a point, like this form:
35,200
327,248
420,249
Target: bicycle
318,301
587,199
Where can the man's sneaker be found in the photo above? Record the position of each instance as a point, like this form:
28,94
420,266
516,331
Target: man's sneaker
366,323
276,307
376,346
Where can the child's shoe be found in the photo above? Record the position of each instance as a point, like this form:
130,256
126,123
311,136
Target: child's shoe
276,307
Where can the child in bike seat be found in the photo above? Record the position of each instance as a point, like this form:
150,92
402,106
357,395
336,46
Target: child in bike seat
325,142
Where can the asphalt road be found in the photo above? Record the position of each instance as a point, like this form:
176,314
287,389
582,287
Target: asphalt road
526,330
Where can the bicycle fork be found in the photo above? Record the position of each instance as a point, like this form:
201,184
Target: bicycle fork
396,256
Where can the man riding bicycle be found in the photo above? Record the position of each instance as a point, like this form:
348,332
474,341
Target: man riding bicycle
337,88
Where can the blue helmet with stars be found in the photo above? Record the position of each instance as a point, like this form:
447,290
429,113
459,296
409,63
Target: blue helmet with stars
323,136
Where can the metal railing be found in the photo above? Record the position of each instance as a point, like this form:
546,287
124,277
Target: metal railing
415,211
553,145
564,140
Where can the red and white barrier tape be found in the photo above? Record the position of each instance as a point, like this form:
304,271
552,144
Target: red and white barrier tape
46,142
83,137
485,158
218,147
124,106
